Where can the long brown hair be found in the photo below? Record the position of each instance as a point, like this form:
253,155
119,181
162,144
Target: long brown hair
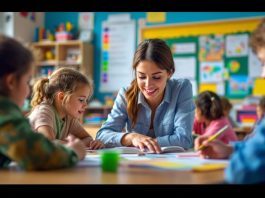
257,39
157,51
64,79
14,58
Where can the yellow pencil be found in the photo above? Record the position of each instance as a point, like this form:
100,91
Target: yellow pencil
213,137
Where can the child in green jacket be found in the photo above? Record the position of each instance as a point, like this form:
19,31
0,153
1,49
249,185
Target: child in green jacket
31,151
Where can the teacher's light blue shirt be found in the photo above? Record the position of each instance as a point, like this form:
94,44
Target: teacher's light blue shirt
172,123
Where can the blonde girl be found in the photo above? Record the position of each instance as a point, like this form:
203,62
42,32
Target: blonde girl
58,103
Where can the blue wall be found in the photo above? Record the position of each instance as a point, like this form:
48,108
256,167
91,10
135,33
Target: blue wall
52,19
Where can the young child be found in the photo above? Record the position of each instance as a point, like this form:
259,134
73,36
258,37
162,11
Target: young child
18,143
209,117
227,106
58,103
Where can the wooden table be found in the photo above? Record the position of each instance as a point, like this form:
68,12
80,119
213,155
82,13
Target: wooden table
94,175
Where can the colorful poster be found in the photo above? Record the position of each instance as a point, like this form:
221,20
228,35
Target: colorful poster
238,85
184,48
237,45
211,72
116,54
211,48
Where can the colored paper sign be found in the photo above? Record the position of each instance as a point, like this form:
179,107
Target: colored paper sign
156,17
208,87
258,88
211,48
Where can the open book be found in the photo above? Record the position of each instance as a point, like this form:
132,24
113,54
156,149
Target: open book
135,150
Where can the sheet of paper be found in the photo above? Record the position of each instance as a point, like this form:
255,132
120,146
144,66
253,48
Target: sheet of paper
237,45
185,67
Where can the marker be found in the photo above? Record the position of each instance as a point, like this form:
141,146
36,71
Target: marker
213,137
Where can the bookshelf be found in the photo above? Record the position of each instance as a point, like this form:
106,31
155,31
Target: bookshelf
73,53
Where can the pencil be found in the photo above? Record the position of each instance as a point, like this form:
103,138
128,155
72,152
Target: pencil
213,137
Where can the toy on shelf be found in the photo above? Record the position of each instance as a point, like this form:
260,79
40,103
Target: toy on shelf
63,32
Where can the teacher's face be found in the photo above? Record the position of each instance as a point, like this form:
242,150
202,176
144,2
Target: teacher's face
261,57
151,81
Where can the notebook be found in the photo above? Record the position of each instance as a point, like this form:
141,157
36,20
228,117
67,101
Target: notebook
135,150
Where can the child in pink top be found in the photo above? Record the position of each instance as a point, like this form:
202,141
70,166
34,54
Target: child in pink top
209,117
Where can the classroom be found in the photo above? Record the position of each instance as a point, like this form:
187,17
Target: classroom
210,51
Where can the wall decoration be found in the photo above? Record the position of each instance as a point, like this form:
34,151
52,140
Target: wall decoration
237,45
211,48
211,71
238,85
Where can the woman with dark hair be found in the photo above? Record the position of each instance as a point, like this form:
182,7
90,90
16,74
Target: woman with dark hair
155,110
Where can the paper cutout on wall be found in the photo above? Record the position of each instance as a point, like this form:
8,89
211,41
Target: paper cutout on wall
237,45
258,88
238,85
211,48
211,71
234,66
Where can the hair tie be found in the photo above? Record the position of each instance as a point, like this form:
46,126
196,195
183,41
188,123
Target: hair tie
212,98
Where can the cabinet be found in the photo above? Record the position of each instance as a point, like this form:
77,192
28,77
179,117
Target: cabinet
51,55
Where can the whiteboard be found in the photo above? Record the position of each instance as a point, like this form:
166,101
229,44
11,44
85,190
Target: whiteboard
117,51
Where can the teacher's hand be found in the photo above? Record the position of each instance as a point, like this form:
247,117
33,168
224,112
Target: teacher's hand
142,142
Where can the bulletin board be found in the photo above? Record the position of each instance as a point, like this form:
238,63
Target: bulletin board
213,55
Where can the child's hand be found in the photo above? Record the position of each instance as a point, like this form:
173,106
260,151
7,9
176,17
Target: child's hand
77,145
96,144
215,149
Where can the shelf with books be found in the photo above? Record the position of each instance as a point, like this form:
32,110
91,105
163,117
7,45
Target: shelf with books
95,116
51,55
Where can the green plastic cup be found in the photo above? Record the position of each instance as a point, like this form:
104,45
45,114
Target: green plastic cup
110,161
